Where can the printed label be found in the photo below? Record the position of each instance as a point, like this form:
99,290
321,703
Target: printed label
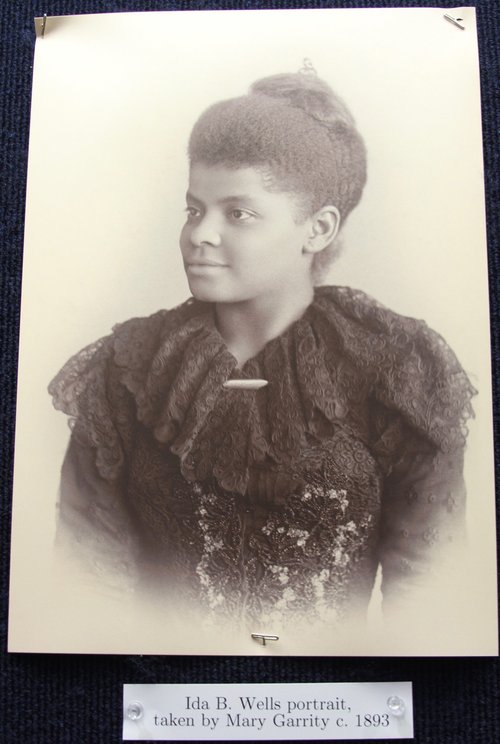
262,712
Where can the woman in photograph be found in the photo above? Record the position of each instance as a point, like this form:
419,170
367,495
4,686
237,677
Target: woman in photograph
258,452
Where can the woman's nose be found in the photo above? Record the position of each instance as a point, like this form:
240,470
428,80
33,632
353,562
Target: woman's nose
206,231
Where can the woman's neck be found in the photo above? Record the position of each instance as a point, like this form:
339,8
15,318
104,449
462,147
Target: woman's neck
248,326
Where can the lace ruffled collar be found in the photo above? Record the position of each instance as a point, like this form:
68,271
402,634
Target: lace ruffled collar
345,352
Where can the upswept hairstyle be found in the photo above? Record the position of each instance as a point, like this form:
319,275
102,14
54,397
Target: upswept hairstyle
302,136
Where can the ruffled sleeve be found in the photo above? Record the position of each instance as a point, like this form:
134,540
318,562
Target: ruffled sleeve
423,523
96,526
419,402
94,390
408,367
84,390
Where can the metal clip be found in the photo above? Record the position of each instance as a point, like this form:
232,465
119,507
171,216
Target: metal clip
40,25
264,637
455,21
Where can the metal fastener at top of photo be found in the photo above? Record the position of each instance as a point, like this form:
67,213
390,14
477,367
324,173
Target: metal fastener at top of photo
456,21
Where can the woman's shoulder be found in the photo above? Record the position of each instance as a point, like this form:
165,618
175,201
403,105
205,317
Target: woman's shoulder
128,350
410,367
139,334
382,336
111,383
366,312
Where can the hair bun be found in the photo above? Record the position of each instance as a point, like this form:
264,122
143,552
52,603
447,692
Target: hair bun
305,90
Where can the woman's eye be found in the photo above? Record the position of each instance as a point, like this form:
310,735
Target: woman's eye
192,213
241,215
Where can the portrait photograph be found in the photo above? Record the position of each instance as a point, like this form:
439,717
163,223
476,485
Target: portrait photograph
254,389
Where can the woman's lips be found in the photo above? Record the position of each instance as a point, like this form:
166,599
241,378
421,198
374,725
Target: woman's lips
204,267
205,263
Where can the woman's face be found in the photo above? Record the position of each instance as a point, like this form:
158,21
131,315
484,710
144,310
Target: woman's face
240,241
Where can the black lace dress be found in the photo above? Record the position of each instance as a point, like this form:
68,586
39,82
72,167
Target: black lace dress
270,503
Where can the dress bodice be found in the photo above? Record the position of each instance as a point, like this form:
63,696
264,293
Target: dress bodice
282,500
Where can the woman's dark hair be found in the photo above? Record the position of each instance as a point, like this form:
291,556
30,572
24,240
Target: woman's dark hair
299,133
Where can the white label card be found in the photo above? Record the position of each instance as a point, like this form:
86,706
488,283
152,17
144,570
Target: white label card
263,712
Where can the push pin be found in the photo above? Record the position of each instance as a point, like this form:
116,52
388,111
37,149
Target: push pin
44,23
396,706
264,637
455,21
135,711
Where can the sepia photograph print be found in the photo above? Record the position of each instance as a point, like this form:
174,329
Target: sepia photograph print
254,382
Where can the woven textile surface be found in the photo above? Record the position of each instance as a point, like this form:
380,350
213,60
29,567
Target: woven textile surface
56,699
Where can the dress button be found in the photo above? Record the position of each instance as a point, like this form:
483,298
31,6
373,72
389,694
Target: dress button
451,502
431,536
412,496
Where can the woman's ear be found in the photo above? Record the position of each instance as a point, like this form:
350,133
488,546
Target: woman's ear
325,224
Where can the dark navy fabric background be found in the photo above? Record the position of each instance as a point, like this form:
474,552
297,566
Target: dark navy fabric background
51,699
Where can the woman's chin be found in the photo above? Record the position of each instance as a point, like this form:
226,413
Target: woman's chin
207,285
204,292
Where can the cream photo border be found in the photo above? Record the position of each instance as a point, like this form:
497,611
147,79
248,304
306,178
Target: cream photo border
114,98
